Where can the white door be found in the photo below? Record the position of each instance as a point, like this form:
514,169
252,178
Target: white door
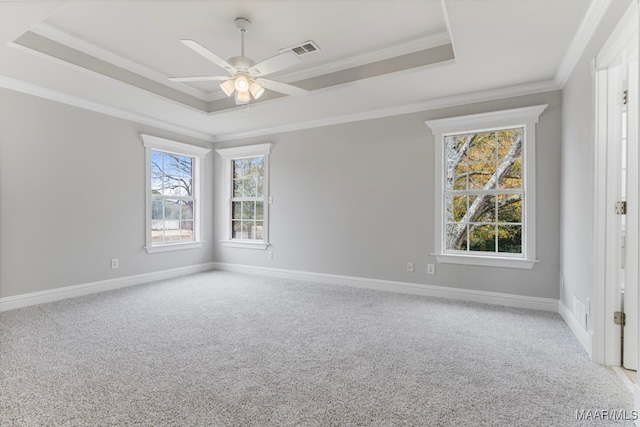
628,190
616,179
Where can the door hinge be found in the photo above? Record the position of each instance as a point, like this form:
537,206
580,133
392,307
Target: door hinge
621,208
625,97
618,318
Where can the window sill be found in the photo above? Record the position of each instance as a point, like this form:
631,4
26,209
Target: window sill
486,261
173,247
244,244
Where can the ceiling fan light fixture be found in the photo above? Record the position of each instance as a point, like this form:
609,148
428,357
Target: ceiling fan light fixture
256,90
228,87
242,83
242,97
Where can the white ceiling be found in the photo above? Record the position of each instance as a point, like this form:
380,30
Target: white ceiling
377,57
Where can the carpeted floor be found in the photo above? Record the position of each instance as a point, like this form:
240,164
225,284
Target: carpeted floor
218,349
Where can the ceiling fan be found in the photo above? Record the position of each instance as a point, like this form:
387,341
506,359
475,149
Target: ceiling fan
245,76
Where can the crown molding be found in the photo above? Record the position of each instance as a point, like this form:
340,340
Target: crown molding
53,95
587,28
622,42
406,48
432,104
46,30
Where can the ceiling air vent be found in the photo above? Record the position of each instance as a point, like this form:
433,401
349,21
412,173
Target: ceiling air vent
302,48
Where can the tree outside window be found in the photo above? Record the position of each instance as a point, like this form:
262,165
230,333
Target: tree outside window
172,201
484,194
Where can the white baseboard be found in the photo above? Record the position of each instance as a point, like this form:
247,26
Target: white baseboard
33,298
546,304
584,337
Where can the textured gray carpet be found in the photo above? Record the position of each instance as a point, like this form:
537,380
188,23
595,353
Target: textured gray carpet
226,349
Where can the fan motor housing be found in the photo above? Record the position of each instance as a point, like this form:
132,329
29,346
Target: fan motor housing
241,62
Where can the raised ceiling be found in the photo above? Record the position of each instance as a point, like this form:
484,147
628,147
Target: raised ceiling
376,57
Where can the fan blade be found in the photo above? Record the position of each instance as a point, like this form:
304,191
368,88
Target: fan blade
273,64
198,48
281,87
199,79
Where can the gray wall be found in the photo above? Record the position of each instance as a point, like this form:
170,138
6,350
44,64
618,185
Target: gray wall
578,166
72,193
357,200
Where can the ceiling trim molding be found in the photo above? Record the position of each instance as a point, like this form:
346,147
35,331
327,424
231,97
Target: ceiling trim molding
46,30
445,15
406,48
587,28
451,101
53,95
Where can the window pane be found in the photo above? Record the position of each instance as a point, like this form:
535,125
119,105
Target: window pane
248,183
172,165
456,208
259,183
172,219
238,188
185,187
482,238
482,147
478,164
259,235
259,210
509,142
480,175
249,188
456,237
236,229
257,165
236,210
187,209
156,162
510,208
513,177
171,230
247,230
186,166
510,238
157,183
456,148
486,209
171,209
156,235
156,209
186,230
456,177
236,169
248,210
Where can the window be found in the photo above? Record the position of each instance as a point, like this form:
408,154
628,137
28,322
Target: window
485,188
173,194
247,199
246,186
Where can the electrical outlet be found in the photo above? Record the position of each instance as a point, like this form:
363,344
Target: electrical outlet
410,267
115,263
431,269
269,254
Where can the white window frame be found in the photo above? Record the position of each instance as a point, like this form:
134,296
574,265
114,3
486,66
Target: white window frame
154,143
526,118
228,156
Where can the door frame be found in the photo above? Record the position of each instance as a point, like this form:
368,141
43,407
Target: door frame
621,46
